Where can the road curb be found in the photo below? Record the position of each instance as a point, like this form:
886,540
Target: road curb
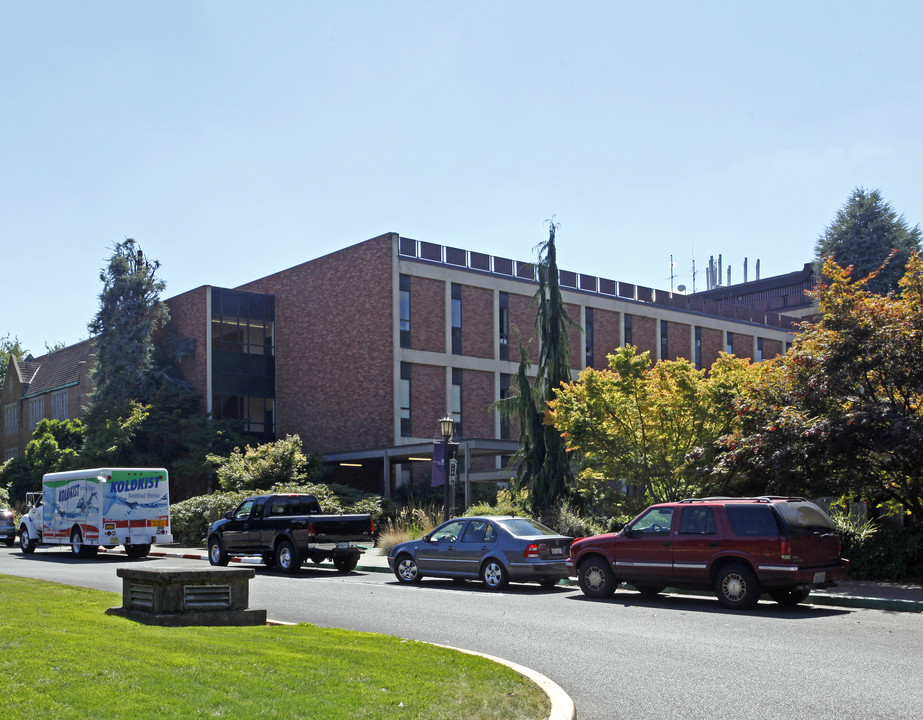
562,705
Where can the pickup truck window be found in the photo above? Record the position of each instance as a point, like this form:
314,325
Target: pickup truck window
243,510
697,521
294,505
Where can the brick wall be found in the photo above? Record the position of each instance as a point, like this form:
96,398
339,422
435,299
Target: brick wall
607,327
743,345
522,323
427,315
712,345
427,399
477,397
678,341
477,322
771,348
334,351
644,335
188,319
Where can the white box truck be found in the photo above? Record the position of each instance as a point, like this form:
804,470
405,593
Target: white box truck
105,506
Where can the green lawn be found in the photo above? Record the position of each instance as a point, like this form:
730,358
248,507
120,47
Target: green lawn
62,656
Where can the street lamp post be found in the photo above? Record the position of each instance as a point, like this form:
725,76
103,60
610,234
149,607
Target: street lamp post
446,426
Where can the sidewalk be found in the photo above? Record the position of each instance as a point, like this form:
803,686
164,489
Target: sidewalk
902,597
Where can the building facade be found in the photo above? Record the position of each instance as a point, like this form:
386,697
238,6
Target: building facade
362,351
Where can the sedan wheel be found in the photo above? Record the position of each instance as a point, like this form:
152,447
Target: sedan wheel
494,575
406,570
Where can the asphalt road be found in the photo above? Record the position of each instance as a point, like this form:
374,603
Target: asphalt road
678,657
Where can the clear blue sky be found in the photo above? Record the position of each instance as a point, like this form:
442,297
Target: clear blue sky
236,139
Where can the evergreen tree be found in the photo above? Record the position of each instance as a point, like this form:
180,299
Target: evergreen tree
864,234
130,311
544,465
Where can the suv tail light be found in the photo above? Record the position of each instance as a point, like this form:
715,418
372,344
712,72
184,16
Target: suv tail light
786,549
531,551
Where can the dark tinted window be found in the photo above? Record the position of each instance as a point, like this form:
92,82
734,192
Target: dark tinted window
697,521
805,518
523,527
752,520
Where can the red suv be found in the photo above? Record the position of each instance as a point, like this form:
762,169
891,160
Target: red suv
738,547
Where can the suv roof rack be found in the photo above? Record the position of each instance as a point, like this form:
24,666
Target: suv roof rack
755,498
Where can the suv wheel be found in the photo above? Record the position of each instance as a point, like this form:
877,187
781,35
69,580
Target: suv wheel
736,586
596,578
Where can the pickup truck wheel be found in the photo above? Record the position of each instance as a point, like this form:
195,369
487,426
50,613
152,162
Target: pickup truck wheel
138,551
346,564
217,555
789,598
596,578
286,559
78,548
26,543
494,575
406,570
737,587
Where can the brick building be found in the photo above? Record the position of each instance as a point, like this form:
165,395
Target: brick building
55,386
361,351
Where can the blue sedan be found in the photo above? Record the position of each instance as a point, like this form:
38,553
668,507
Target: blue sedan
496,549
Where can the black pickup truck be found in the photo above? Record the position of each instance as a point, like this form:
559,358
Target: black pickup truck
287,530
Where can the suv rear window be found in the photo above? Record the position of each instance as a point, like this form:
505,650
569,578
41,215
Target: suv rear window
752,520
805,518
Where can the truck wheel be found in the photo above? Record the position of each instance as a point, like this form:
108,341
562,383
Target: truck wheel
216,552
137,551
286,558
406,570
26,543
789,598
78,548
494,575
737,587
596,578
346,563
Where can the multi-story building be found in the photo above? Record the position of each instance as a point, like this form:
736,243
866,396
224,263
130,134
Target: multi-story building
55,386
362,351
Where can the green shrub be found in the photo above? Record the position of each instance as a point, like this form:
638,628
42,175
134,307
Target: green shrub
885,553
190,519
508,502
565,519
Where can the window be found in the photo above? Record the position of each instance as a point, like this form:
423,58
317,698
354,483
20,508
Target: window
730,343
655,521
59,405
243,510
626,323
697,521
449,532
504,326
759,349
664,340
36,411
257,413
10,453
456,319
752,520
405,311
457,399
11,419
698,348
504,394
405,400
479,531
588,337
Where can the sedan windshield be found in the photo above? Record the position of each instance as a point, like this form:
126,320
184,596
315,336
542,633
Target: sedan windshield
523,527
